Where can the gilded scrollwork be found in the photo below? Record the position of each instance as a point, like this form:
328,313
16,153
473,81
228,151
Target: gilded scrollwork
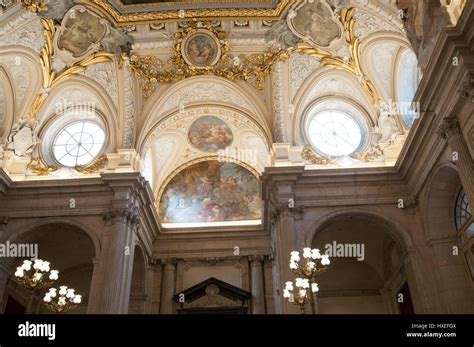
252,68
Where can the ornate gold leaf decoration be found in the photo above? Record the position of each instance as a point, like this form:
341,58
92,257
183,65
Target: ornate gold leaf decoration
51,78
353,65
375,152
97,165
39,168
35,5
201,14
252,68
308,154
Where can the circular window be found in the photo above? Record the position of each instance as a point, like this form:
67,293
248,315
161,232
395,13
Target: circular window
78,143
334,133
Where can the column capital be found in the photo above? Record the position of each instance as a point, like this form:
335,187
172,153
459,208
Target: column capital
466,90
122,215
169,263
449,127
256,260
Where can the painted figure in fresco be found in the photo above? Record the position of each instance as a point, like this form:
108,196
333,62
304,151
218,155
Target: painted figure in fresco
211,192
210,134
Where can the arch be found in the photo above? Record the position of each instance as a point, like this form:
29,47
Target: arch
8,100
49,112
394,229
138,281
57,220
439,201
215,90
337,84
29,58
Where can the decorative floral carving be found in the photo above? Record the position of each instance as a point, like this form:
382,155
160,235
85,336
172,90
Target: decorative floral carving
301,66
105,75
367,23
252,68
277,89
97,165
202,91
129,133
28,35
308,154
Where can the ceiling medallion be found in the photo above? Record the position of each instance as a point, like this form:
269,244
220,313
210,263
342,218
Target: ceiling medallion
315,22
201,49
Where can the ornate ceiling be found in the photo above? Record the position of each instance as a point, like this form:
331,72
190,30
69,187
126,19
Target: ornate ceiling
127,12
151,78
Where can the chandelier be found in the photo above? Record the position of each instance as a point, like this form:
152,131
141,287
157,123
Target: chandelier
314,264
37,275
65,301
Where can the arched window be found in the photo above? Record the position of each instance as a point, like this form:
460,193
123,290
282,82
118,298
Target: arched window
465,226
336,128
78,143
463,210
74,138
408,78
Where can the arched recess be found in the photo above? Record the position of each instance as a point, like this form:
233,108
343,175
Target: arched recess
138,292
7,104
69,248
379,59
201,90
168,145
438,218
80,94
328,82
367,263
23,67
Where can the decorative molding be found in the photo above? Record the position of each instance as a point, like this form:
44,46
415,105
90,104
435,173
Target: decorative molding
122,215
253,68
130,110
205,91
35,6
201,14
367,23
374,153
105,75
467,88
29,35
301,66
36,166
96,166
410,205
351,63
449,127
308,154
156,44
277,89
15,23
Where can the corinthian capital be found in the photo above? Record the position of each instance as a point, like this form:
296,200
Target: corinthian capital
449,127
467,88
122,215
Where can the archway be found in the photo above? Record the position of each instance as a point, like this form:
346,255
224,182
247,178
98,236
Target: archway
69,250
439,219
138,286
366,272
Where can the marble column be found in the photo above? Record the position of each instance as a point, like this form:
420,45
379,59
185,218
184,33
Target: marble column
285,243
258,291
168,286
450,130
111,280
